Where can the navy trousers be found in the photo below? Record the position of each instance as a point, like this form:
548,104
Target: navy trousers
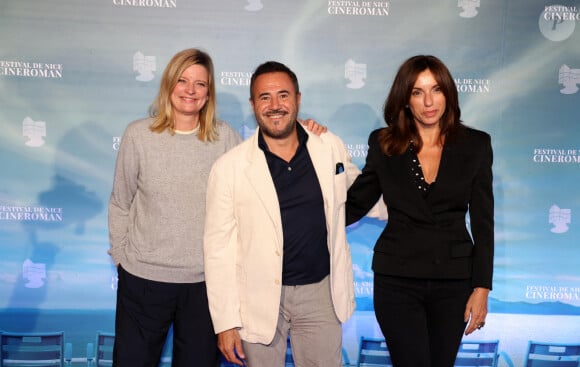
147,309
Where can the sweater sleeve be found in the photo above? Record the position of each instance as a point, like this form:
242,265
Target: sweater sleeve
124,189
230,136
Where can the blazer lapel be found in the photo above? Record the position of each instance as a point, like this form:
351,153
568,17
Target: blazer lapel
321,157
402,171
260,179
448,165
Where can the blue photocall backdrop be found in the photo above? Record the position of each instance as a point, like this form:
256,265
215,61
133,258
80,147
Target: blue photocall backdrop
73,74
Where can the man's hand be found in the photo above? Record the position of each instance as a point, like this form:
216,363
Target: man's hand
230,344
313,126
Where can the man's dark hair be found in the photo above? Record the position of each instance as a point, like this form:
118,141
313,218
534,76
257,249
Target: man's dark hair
273,67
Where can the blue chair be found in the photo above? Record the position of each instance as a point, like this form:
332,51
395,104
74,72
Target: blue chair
34,349
480,353
102,354
540,354
373,352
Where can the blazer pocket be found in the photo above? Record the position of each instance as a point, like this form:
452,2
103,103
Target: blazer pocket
340,187
462,249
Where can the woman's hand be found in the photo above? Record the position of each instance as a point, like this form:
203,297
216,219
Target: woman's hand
476,310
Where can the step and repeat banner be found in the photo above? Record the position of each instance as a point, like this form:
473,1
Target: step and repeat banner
73,74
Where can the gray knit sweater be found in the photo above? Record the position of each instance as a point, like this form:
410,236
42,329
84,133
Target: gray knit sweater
157,205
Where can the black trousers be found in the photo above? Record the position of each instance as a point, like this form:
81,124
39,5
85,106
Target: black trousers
147,309
422,320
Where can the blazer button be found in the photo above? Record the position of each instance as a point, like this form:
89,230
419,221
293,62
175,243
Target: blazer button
277,282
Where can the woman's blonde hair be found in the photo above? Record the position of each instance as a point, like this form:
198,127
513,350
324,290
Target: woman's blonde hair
162,110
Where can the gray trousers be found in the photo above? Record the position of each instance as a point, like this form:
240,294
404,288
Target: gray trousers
307,314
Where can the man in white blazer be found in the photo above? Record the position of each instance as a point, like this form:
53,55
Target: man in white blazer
277,261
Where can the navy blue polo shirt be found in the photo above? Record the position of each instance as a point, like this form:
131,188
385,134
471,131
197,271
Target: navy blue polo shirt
306,259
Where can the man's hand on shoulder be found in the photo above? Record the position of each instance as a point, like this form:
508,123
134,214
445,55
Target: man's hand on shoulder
313,126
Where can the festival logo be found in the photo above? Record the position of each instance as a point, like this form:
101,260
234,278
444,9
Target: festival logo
254,5
557,156
559,218
35,131
355,73
553,293
468,8
145,66
27,69
147,3
114,282
33,273
30,213
557,22
363,281
357,150
116,143
358,8
235,78
468,85
569,78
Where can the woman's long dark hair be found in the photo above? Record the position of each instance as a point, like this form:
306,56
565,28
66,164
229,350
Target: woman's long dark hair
401,128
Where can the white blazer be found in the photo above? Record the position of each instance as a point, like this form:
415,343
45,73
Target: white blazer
243,240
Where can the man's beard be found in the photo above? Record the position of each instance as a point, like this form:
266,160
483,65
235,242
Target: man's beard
282,134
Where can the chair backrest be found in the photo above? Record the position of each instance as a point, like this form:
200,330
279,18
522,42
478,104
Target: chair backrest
478,353
542,354
373,352
104,349
101,355
32,349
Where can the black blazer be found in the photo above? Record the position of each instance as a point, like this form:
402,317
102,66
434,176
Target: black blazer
427,237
